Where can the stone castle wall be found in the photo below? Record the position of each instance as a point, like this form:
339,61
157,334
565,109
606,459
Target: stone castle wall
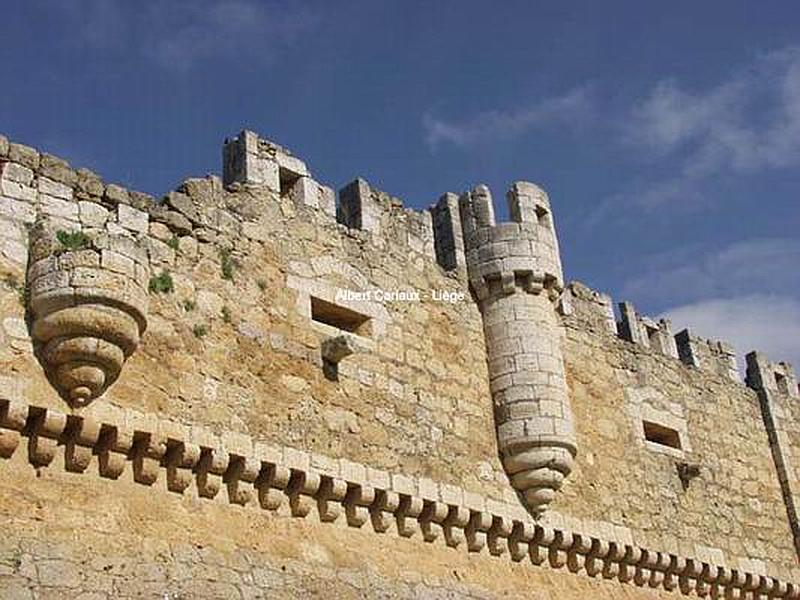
265,431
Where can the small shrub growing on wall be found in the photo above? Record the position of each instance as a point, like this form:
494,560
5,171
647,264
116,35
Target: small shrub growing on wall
72,241
162,284
227,264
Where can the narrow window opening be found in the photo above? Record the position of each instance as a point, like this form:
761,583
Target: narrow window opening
659,434
653,337
782,382
340,317
288,179
542,216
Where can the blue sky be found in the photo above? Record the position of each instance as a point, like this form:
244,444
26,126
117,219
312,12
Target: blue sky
667,134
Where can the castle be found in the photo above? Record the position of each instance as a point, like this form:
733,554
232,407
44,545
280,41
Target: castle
249,389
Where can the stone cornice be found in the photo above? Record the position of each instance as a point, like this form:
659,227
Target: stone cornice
267,477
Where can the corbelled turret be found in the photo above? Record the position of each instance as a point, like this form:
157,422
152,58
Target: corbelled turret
514,271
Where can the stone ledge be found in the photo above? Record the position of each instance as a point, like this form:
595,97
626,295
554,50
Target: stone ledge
268,477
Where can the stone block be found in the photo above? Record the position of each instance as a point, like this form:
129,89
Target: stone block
57,169
56,207
17,210
116,194
119,263
24,155
92,214
16,172
132,218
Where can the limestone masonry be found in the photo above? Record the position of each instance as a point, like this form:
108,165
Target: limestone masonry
251,388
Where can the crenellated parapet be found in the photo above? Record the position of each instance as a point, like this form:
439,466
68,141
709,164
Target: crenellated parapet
250,160
515,273
710,355
645,331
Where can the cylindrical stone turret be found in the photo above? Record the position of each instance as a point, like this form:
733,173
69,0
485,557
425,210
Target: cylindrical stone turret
515,273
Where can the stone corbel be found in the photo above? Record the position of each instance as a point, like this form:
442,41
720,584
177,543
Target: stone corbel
45,428
80,438
180,458
357,503
432,519
112,450
498,534
331,494
148,450
519,541
409,509
383,509
303,486
271,485
13,416
240,478
454,525
210,471
477,529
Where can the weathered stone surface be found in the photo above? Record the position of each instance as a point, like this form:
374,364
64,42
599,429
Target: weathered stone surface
228,464
88,184
57,169
23,155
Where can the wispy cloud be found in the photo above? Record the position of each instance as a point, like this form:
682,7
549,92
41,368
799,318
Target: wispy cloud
746,124
763,265
768,323
570,108
183,34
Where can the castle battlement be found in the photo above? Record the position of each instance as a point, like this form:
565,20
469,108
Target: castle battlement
312,368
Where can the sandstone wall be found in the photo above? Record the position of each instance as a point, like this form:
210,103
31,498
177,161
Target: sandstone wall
230,459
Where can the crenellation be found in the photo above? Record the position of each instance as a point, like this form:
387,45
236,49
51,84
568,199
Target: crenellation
715,356
448,236
645,331
591,308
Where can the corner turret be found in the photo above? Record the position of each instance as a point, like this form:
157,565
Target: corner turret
515,273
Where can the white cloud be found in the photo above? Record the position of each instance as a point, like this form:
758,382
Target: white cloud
768,323
764,265
186,32
568,109
181,34
746,124
749,122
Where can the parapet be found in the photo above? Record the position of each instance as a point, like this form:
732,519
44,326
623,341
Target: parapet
772,377
523,252
371,210
590,307
250,160
707,354
646,331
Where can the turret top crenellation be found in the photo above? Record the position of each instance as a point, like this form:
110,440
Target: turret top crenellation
522,253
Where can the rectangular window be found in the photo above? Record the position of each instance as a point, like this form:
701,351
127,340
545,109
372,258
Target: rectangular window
287,179
782,383
659,434
340,317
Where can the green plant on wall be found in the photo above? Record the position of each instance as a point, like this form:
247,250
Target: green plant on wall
227,264
162,284
72,240
199,331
